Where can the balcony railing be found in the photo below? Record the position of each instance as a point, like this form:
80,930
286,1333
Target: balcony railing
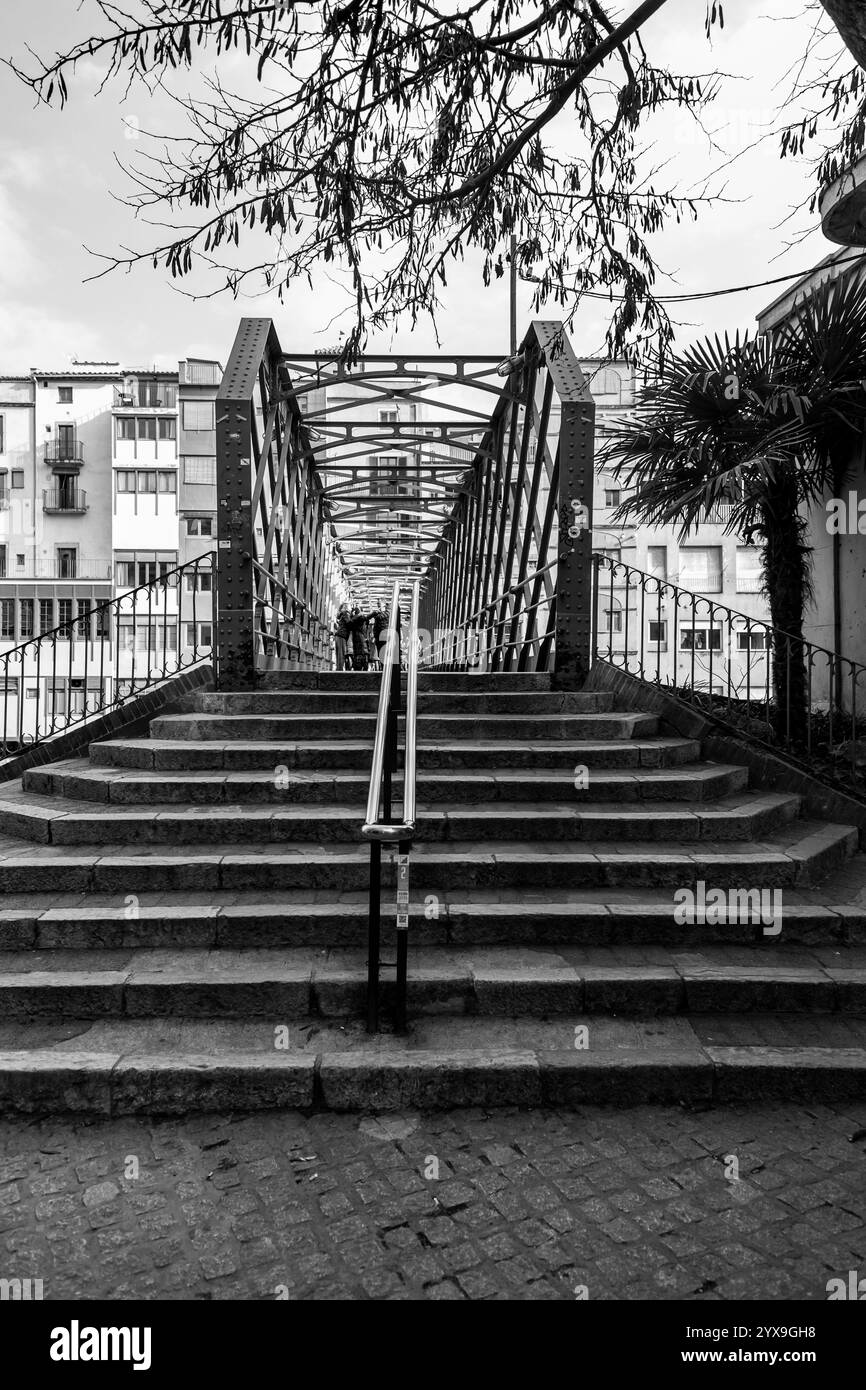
719,515
82,568
57,500
65,450
135,397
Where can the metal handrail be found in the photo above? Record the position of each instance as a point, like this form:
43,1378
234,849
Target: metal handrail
379,828
383,828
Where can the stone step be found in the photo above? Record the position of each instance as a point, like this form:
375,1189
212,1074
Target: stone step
278,984
474,680
172,755
292,727
61,821
124,1066
480,918
795,856
470,703
79,780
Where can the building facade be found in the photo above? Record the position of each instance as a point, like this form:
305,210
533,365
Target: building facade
94,506
712,642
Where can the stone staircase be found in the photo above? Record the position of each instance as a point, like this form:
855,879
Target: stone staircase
183,916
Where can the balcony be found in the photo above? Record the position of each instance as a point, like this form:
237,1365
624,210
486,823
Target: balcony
64,500
158,395
842,206
719,515
80,568
66,451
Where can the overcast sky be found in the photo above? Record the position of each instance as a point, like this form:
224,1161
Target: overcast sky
60,182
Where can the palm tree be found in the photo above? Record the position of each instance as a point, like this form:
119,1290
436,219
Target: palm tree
769,425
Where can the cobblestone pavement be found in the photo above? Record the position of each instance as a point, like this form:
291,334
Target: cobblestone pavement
639,1203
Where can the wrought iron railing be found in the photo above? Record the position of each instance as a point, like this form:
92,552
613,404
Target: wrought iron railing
774,688
64,449
64,500
380,827
103,657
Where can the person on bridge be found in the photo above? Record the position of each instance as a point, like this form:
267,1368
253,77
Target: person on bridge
342,633
380,633
359,625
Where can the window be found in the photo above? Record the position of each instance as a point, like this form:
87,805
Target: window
201,583
199,525
657,561
146,427
64,395
124,573
125,480
199,470
17,476
66,562
83,697
2,562
83,624
167,427
389,417
612,496
64,617
8,687
199,634
198,415
2,434
749,576
25,617
701,568
167,481
19,560
7,617
610,619
55,696
701,639
46,614
754,641
147,482
658,632
149,393
126,427
102,621
137,635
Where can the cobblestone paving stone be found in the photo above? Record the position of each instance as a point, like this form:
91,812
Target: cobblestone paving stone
631,1204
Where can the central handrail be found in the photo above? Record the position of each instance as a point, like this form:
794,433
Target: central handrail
379,827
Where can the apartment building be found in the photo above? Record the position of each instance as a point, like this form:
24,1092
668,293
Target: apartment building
92,507
703,641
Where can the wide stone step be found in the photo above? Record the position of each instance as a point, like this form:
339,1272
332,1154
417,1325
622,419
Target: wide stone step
135,1066
471,681
172,755
289,919
797,855
293,727
80,780
61,821
429,702
276,984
